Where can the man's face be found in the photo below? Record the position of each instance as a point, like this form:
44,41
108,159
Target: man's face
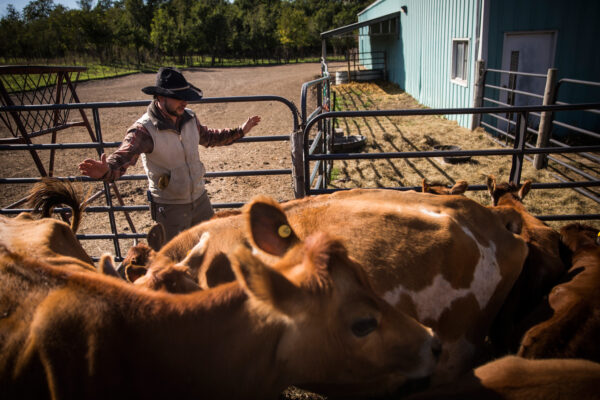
174,107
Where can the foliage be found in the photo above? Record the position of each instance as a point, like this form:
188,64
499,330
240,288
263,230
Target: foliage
142,31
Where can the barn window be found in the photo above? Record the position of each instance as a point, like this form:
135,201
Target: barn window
460,60
384,28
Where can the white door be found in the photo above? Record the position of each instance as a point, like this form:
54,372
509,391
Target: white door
526,52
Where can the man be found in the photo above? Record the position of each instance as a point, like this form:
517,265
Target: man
167,137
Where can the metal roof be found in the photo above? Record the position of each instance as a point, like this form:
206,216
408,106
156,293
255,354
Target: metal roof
349,28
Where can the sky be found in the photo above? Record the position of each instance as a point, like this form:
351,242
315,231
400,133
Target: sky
20,4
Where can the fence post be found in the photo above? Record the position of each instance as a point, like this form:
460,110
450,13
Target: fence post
349,54
517,159
297,145
478,93
541,160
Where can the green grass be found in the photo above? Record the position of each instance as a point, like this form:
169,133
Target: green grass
95,70
335,173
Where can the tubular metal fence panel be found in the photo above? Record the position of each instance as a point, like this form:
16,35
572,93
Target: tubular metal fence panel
100,145
519,151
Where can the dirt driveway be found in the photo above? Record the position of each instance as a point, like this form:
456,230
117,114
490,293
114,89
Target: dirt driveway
284,81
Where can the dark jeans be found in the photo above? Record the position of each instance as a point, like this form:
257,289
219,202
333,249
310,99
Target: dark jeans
179,217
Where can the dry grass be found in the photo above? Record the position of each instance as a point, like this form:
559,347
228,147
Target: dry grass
421,133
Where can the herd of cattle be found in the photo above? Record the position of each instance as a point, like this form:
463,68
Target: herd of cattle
365,292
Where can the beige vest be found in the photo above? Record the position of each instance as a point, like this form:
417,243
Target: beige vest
174,158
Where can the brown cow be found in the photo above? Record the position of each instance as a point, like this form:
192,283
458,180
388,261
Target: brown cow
573,330
446,260
167,277
171,278
66,334
516,378
48,238
541,271
439,188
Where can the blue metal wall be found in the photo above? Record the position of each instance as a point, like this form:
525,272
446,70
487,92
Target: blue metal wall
577,23
420,58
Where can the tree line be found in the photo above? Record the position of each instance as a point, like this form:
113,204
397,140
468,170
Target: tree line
141,31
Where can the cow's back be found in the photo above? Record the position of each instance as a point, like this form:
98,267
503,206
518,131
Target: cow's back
446,260
46,238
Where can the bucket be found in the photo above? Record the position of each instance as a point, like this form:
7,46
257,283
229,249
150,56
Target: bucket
364,75
341,77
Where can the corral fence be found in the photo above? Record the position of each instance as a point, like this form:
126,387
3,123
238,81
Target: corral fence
318,163
544,127
16,111
311,147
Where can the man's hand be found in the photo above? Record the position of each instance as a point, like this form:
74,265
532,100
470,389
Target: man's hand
93,168
250,123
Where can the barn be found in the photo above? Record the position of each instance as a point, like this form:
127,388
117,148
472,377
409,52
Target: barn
431,50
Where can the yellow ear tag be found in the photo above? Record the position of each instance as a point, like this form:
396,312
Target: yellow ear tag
284,231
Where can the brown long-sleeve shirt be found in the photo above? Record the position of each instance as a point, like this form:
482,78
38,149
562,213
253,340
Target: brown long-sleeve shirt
138,140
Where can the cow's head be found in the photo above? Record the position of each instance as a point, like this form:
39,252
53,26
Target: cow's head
337,330
508,190
138,268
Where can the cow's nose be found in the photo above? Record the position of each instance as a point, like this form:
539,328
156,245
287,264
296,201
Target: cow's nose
436,347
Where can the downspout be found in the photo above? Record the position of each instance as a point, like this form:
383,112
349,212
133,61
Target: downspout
480,26
479,76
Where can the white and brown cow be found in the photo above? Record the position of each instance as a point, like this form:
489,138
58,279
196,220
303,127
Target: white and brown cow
572,328
446,260
312,318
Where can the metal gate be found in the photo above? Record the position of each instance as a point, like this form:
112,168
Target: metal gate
100,145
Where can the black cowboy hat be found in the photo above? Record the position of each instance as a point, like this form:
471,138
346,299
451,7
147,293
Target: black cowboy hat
171,83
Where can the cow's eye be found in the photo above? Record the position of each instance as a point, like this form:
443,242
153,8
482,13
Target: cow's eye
364,326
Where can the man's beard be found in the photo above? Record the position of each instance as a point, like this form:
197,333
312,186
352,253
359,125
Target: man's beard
172,111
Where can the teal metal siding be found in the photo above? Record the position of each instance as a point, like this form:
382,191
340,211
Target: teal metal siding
576,56
420,59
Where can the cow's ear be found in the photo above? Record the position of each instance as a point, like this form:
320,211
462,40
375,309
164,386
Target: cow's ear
524,190
107,267
157,236
460,187
135,272
268,226
266,285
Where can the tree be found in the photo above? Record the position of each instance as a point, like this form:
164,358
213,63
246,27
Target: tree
163,32
85,5
38,9
10,45
293,29
210,21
